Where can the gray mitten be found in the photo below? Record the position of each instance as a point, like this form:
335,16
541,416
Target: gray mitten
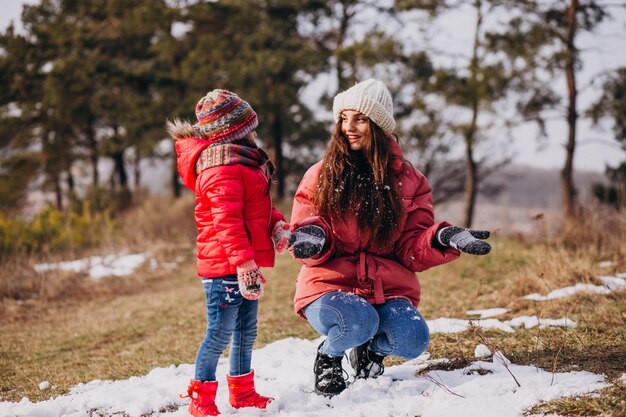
466,240
307,241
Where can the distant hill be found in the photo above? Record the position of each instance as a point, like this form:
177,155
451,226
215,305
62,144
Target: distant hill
526,194
536,187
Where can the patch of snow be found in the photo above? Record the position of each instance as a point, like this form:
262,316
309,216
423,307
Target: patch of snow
534,321
605,264
284,371
499,357
613,283
44,385
490,312
481,351
449,325
99,266
493,324
117,265
567,291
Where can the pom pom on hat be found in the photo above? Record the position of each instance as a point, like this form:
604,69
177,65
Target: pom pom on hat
224,117
370,97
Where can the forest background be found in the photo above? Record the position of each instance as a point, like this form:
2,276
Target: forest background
86,169
93,81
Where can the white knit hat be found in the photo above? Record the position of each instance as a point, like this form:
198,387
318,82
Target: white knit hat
371,98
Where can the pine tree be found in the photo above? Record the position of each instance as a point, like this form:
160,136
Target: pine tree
92,89
267,63
611,105
476,92
545,41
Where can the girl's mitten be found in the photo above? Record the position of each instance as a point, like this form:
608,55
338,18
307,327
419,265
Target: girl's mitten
281,232
250,280
466,240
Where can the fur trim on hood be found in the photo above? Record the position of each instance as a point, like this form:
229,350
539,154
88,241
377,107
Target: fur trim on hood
189,144
182,129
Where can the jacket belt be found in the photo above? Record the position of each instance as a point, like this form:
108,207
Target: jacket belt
367,274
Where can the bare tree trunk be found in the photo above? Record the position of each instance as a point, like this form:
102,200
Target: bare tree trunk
277,133
176,188
471,184
137,171
567,173
71,184
180,93
93,148
471,180
58,192
120,169
347,13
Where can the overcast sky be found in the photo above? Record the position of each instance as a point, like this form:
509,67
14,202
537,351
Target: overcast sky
603,52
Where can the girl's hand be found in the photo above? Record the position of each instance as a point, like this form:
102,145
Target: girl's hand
281,232
251,281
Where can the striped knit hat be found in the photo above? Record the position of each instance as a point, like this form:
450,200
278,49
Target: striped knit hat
223,117
371,98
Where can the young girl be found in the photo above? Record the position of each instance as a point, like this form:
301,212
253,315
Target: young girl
238,231
363,226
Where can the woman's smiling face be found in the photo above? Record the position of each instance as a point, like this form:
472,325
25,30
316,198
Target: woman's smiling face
356,128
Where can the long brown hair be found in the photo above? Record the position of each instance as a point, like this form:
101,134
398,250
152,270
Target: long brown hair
361,184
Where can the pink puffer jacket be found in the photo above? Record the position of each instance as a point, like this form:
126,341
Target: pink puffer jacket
348,263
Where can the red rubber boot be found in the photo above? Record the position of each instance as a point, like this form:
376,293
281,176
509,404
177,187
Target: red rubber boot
202,396
242,393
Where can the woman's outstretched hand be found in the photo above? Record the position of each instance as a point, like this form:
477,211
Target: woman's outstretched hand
307,241
466,240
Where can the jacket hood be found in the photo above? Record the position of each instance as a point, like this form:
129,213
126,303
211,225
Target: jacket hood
189,144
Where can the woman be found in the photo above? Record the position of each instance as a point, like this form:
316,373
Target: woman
363,224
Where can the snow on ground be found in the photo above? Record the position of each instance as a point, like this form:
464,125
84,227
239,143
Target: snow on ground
284,370
567,291
611,283
98,267
614,283
482,351
448,325
490,312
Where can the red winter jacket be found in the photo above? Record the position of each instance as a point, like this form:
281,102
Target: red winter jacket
348,263
234,213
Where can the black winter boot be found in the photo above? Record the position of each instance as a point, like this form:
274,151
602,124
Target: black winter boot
366,363
329,375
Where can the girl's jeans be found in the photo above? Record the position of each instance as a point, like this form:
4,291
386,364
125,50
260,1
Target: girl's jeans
395,327
228,313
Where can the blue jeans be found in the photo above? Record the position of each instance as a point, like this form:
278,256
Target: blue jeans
228,314
394,328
